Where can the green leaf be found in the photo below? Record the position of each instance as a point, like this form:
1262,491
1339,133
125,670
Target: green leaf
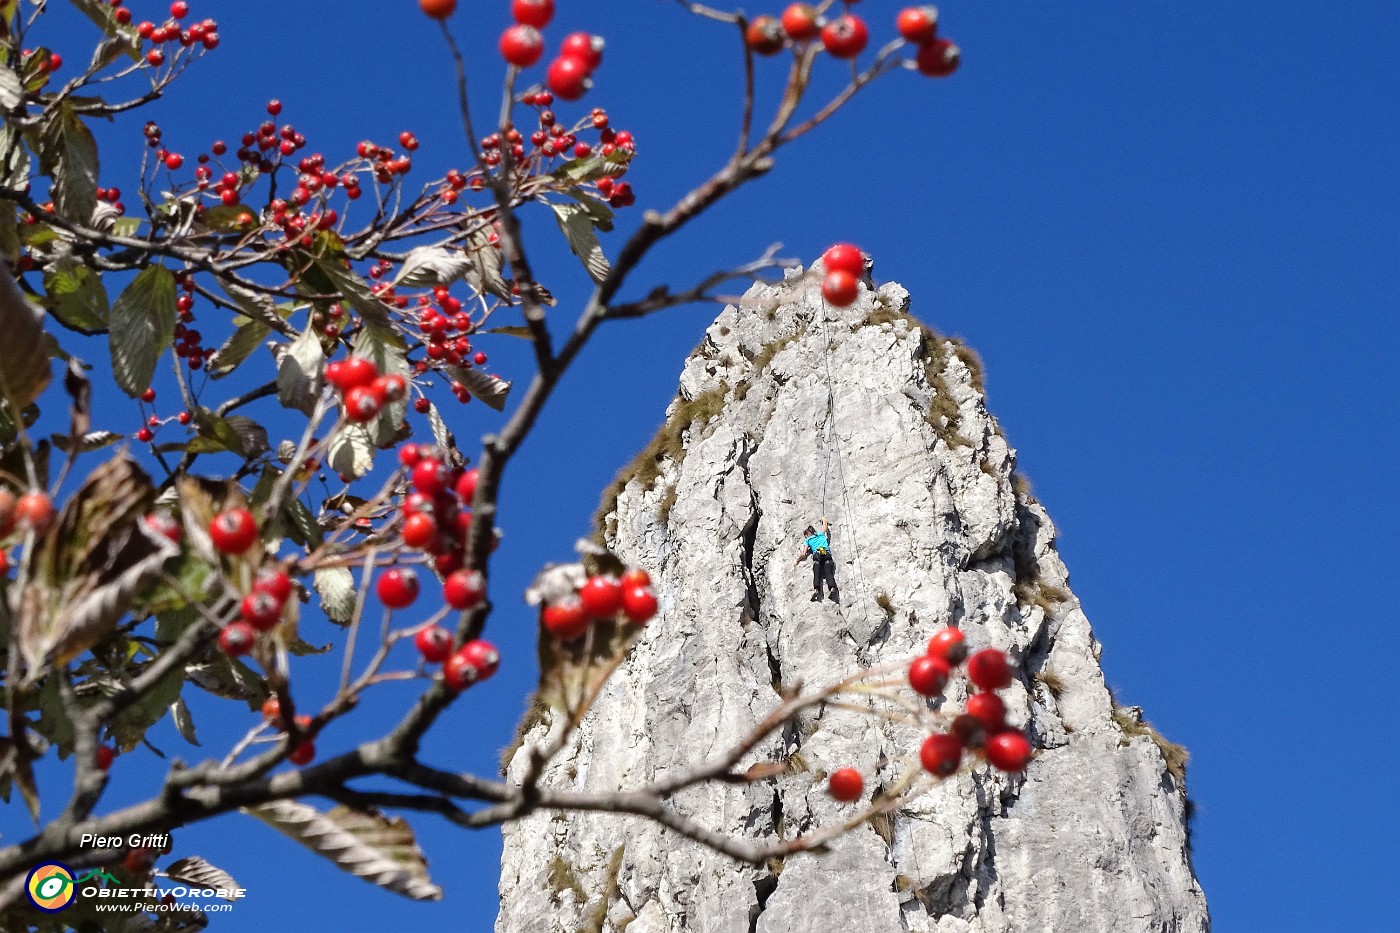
126,226
102,16
71,151
15,172
131,724
578,229
597,208
24,353
240,345
76,296
299,369
258,307
336,587
142,326
387,351
227,218
593,167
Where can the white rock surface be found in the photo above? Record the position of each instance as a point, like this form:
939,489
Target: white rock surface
926,511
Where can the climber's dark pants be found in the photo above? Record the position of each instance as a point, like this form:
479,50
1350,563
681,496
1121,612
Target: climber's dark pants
823,568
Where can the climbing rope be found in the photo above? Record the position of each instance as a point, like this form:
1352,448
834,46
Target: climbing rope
833,444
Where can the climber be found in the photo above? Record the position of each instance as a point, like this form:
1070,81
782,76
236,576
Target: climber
818,544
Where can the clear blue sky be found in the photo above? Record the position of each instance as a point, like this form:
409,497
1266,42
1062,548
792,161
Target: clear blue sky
1170,229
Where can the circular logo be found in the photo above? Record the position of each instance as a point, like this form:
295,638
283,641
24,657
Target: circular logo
50,887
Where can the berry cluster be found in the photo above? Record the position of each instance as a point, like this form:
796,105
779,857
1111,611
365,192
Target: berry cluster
204,33
845,267
363,391
600,597
260,611
980,728
32,511
437,518
847,35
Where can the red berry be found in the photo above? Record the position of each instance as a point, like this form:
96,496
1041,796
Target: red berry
466,486
274,107
408,140
988,669
535,13
34,511
845,36
148,396
389,388
585,46
302,753
938,58
458,673
434,643
568,77
928,675
145,435
565,619
845,257
438,9
800,21
361,405
155,58
397,588
352,373
483,656
845,784
765,35
989,710
430,476
602,596
940,754
179,9
260,610
1008,751
638,603
949,645
409,455
272,713
917,23
464,589
419,530
521,45
237,638
275,583
840,288
233,531
105,756
163,524
174,160
635,576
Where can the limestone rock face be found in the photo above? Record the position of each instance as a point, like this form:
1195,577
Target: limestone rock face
931,527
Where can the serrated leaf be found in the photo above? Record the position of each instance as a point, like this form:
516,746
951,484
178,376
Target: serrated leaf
258,307
142,326
598,209
24,354
94,440
195,871
14,173
184,722
368,845
441,436
240,345
216,435
71,150
11,91
351,452
90,565
512,330
336,587
593,167
299,369
126,226
101,14
75,296
492,390
583,238
302,525
227,218
387,351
